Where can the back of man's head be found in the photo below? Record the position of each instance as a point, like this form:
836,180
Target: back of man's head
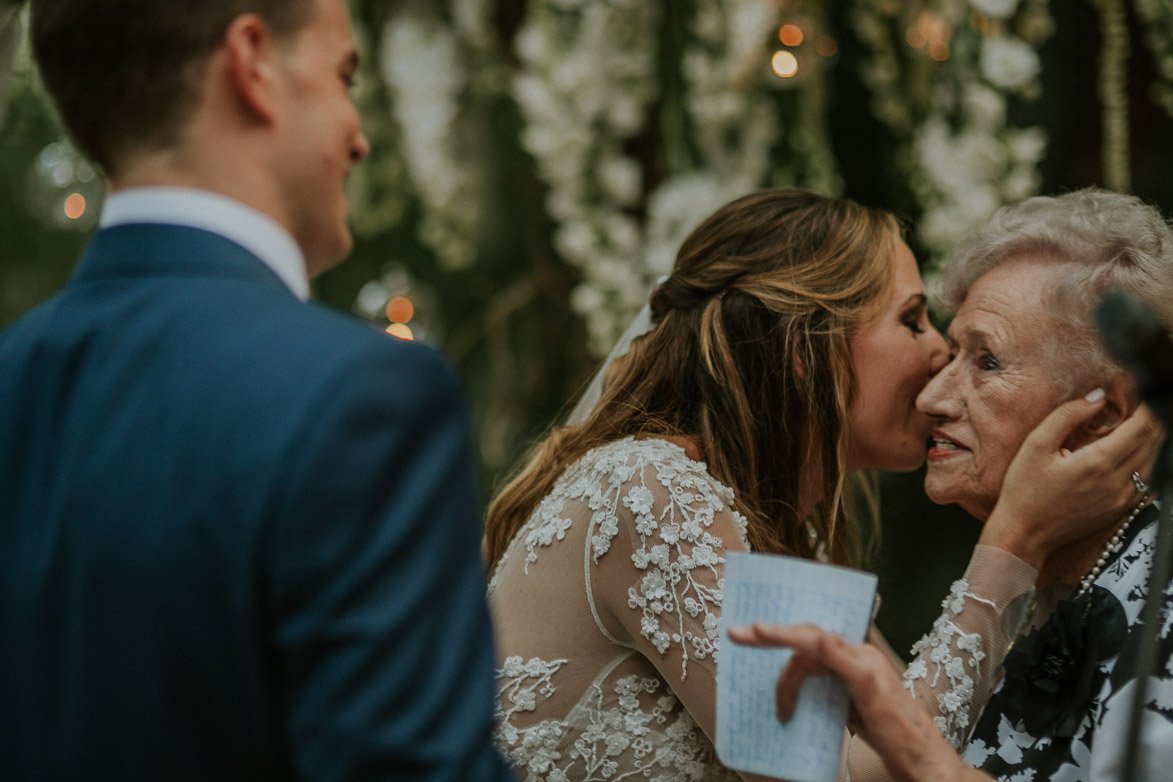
125,73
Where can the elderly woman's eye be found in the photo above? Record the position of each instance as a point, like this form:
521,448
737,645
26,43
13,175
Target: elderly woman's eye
987,362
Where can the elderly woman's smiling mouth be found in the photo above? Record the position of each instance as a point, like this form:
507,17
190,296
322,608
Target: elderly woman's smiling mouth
944,446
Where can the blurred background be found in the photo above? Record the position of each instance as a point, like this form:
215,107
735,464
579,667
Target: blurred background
536,163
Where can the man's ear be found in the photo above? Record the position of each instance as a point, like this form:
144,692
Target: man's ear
252,65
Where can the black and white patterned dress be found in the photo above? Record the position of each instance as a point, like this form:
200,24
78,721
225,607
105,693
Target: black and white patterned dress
1062,710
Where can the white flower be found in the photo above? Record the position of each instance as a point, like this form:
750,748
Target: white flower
704,556
621,179
645,525
574,240
653,586
639,500
1027,145
513,666
917,669
995,9
661,641
985,107
1008,62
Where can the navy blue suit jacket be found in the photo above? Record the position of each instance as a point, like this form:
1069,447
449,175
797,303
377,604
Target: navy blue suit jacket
238,534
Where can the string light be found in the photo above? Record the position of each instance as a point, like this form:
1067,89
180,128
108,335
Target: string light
785,64
75,206
825,45
790,34
400,310
401,330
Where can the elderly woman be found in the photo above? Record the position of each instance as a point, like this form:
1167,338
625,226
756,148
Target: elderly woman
1022,342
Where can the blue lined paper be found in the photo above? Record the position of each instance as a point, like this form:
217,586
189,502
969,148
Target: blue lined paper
787,591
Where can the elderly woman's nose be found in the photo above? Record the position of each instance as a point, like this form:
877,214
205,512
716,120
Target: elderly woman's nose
937,398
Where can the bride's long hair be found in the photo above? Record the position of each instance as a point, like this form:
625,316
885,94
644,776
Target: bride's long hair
750,356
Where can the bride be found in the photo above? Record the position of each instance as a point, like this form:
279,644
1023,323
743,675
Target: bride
784,353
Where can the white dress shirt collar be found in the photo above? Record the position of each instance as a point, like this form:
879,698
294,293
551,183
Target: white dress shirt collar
254,231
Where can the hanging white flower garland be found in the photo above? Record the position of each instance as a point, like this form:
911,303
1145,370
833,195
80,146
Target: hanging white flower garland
1157,16
586,80
966,159
421,60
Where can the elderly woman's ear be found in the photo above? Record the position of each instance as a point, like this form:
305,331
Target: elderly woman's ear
1120,401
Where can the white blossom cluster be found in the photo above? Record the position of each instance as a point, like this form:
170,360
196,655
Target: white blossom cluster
587,77
1157,16
966,159
733,124
965,174
421,60
969,160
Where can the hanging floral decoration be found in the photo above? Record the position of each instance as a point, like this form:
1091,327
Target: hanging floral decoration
1157,18
426,58
946,88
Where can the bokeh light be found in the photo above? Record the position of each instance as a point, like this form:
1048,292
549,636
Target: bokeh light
400,310
825,45
75,206
401,330
785,64
790,34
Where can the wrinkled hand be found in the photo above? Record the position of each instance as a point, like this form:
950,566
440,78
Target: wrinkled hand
1052,496
882,712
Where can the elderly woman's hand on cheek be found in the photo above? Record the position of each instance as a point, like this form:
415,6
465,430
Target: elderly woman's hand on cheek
1053,495
882,711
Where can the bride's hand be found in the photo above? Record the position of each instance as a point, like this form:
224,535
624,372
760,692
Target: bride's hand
1052,496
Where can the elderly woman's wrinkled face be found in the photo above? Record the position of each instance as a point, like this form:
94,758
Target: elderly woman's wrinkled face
996,388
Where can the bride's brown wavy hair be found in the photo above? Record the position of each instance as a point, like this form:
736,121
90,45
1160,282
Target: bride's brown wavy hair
750,356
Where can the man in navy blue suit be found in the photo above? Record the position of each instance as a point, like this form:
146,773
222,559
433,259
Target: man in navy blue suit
238,535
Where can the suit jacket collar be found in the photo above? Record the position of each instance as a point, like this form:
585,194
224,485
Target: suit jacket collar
144,250
257,232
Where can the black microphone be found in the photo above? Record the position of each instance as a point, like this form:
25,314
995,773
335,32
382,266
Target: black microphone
1135,336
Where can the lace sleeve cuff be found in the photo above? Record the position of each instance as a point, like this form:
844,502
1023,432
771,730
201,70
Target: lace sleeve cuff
955,664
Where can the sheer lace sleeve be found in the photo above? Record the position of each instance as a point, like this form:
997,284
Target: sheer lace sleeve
956,663
656,575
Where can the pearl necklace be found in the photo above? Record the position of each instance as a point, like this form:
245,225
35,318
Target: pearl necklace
1111,547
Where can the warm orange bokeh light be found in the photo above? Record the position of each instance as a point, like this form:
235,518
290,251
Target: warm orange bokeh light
75,206
939,50
825,45
401,330
785,64
400,310
790,34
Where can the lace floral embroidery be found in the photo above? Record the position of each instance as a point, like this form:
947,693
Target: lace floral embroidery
612,738
676,553
949,650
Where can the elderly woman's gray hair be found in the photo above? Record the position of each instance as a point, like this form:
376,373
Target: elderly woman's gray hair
1104,241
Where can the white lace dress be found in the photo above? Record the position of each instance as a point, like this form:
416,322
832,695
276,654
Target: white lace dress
607,604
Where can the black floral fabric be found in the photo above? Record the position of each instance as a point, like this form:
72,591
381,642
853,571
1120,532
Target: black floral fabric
1062,710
